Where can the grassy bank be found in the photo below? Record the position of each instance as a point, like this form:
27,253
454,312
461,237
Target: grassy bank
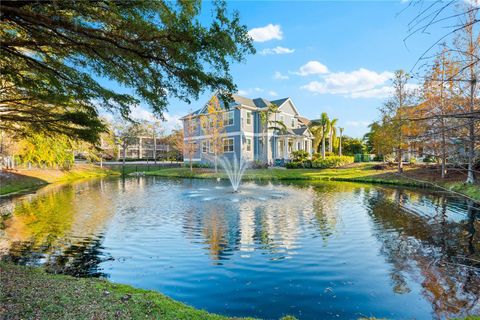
30,293
27,179
416,176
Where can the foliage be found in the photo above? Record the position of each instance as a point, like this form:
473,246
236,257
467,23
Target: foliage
300,155
258,164
47,151
352,146
213,126
319,163
53,53
332,162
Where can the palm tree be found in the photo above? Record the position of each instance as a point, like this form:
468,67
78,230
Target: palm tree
268,124
340,145
319,129
332,134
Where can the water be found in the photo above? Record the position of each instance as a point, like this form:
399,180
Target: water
315,251
235,169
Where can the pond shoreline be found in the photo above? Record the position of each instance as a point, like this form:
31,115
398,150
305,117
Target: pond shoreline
363,173
30,180
30,292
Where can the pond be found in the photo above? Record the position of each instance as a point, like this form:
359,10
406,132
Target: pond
323,250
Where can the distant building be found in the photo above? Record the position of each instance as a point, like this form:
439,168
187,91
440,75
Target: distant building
143,147
246,135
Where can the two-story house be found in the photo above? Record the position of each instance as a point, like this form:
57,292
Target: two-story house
246,135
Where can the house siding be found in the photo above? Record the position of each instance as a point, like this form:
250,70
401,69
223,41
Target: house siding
240,132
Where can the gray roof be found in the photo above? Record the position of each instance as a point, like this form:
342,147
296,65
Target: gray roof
239,100
300,131
279,102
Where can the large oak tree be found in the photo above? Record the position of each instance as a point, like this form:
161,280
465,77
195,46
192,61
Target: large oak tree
55,54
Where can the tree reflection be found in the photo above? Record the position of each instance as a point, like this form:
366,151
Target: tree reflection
433,249
55,228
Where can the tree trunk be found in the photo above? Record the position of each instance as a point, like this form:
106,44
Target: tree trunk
400,162
444,150
340,146
154,147
471,142
330,141
323,147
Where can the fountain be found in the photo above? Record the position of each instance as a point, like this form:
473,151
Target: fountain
235,169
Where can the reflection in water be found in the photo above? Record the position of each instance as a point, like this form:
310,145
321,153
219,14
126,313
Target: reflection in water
436,248
310,250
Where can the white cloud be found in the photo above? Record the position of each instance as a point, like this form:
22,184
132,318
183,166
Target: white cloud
382,92
273,93
312,67
361,83
279,76
249,91
276,50
171,121
269,32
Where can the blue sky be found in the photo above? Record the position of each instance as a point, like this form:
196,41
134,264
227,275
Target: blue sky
334,57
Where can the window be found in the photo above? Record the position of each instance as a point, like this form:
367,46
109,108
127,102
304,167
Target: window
204,122
306,145
205,146
282,119
293,122
228,118
249,118
228,145
249,144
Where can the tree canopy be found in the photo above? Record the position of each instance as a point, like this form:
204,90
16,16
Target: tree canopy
54,55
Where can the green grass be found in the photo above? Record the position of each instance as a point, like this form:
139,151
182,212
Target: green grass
22,180
365,172
362,173
30,293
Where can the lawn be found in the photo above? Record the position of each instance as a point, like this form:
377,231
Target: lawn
30,293
417,176
25,179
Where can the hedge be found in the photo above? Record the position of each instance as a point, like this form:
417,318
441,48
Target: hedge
328,162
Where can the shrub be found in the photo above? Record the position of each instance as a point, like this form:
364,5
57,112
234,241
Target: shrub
329,154
300,156
332,162
429,159
316,155
258,164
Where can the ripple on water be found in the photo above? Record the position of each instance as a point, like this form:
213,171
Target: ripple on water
329,250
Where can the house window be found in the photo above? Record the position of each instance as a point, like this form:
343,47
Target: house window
228,145
249,144
228,118
282,119
306,145
249,118
205,146
204,122
293,122
299,146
